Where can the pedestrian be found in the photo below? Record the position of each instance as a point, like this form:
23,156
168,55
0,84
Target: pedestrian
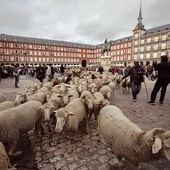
49,72
136,73
149,70
100,70
40,73
16,72
0,73
162,81
83,64
62,70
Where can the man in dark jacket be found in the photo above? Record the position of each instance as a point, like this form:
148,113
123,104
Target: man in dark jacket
163,80
83,64
136,78
40,71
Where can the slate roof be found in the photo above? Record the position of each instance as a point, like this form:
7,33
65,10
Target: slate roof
163,28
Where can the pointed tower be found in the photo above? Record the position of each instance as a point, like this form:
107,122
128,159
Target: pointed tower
137,34
140,25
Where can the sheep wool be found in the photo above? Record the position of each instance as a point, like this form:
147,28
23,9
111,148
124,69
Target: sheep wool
18,120
6,105
127,140
4,159
2,97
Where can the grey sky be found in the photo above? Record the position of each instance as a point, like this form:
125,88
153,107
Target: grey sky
81,21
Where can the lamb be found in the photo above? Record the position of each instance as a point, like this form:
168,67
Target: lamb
2,97
6,105
22,98
18,120
4,159
129,141
70,116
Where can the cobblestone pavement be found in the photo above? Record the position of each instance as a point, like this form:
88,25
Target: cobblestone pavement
50,152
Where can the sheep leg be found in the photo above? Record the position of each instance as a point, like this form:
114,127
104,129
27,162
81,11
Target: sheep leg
37,127
120,162
12,147
86,121
69,145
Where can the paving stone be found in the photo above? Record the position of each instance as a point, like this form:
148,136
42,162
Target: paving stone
103,159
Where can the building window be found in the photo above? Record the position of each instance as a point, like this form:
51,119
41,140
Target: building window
163,45
155,55
156,39
141,49
155,47
136,36
148,55
141,56
136,42
163,37
148,40
142,41
148,48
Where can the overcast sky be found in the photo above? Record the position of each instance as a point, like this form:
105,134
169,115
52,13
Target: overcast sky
81,21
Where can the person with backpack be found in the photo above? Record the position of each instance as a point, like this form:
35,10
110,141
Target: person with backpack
136,78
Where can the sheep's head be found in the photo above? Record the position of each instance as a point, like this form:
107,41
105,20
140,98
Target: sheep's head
61,118
47,109
161,143
20,98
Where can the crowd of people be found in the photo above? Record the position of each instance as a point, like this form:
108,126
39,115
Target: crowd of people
155,71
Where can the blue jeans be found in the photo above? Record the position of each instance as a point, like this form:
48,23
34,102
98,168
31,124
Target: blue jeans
136,87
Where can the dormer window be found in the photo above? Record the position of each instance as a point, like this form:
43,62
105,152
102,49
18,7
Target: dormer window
15,39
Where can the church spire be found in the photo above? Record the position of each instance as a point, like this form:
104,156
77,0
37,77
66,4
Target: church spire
140,25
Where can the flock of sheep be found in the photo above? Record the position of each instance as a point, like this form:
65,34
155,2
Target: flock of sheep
68,104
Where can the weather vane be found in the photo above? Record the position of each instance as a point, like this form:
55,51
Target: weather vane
140,3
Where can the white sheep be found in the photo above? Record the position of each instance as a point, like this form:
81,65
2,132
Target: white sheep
106,91
88,99
6,105
22,97
54,103
49,85
4,159
93,88
127,140
18,120
2,97
112,86
98,103
69,118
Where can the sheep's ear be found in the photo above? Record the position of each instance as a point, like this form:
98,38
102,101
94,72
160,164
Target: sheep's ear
156,146
71,113
52,108
40,108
